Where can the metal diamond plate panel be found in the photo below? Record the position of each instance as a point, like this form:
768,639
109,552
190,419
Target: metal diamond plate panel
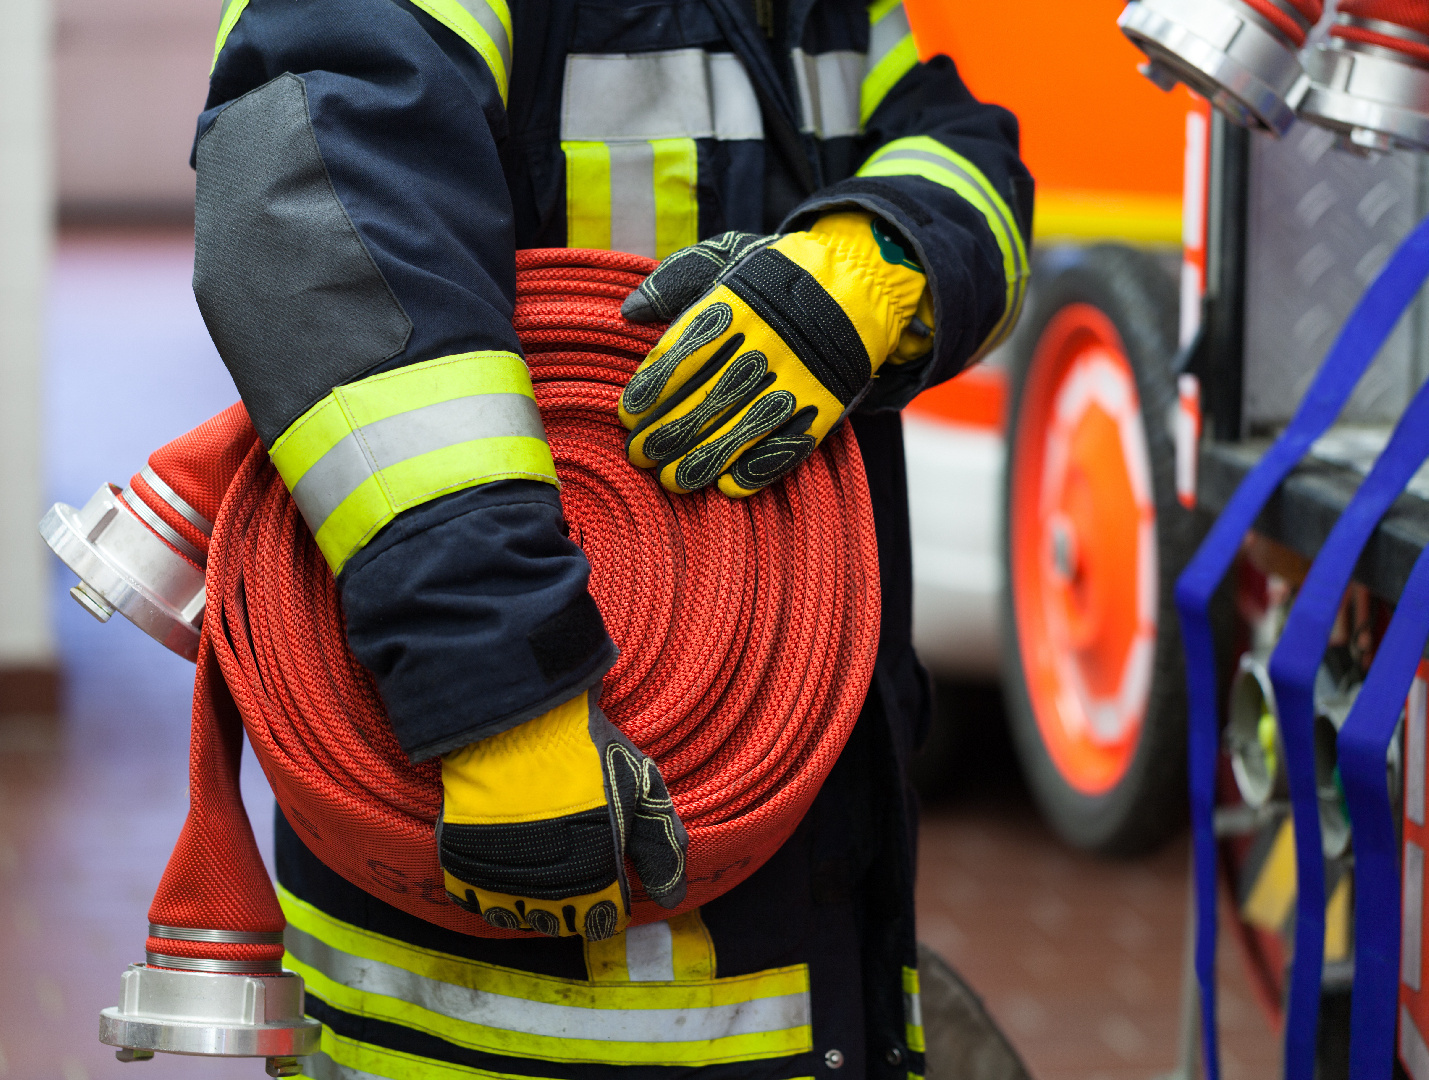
1322,224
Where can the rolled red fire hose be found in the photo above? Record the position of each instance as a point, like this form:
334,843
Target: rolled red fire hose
747,632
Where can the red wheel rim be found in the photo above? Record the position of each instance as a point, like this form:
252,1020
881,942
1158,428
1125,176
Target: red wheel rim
1082,527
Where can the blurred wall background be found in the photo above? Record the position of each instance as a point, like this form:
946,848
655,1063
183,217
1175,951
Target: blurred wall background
28,680
98,100
129,81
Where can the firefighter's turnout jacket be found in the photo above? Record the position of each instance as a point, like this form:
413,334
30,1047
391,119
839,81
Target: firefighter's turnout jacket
366,170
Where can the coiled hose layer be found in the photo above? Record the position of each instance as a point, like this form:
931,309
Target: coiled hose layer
747,633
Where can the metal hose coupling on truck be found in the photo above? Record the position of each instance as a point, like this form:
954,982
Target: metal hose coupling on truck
1242,55
1370,81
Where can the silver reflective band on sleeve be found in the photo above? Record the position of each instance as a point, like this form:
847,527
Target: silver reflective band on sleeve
380,445
1018,285
489,21
467,1005
680,94
885,34
172,497
829,86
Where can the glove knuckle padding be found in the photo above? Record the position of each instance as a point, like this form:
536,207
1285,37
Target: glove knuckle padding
736,387
771,458
703,464
647,385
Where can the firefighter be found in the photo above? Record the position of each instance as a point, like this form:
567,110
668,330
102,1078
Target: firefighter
841,226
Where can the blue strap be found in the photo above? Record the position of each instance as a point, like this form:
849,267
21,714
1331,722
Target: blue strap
1363,747
1293,665
1364,332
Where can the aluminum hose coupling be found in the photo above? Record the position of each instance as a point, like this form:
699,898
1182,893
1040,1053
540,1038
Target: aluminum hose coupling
1243,62
1370,84
185,1005
123,565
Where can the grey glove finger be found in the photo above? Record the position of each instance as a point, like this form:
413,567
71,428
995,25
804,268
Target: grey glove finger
685,276
649,827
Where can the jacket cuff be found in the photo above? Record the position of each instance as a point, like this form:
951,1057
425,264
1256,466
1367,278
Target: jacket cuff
962,314
472,613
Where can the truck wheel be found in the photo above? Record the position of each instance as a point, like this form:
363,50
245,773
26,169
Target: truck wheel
1093,539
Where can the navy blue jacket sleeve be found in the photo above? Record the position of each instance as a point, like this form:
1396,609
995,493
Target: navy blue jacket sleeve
352,217
930,152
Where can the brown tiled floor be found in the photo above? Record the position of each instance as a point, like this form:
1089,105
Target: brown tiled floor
1079,958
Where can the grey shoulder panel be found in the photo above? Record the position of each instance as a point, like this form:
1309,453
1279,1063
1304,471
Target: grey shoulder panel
289,291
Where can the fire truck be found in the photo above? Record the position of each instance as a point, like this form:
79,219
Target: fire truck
1192,383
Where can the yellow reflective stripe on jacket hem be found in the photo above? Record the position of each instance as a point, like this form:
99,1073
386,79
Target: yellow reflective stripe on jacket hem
913,1010
481,24
892,54
226,22
365,1060
922,156
359,1060
503,1011
384,444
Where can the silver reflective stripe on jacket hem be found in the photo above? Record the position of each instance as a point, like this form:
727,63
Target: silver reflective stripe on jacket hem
469,1005
384,443
680,94
829,86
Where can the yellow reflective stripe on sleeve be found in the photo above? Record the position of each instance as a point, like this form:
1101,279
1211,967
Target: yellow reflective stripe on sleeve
379,446
677,209
504,1011
226,22
922,156
485,25
892,53
913,1010
587,194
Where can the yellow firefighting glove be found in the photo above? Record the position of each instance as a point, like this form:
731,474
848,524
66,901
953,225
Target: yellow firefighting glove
779,339
536,823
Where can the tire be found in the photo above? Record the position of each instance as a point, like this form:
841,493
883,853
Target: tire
1093,673
963,1041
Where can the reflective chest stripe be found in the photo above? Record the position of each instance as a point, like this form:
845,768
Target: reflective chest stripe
828,91
373,448
503,1011
922,156
838,91
628,130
